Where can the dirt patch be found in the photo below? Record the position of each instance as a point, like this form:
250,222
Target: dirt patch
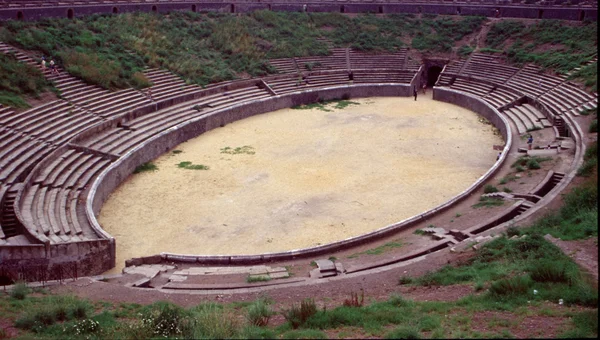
293,179
583,252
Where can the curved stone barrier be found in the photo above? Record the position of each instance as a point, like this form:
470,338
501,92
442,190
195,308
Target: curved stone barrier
105,184
35,10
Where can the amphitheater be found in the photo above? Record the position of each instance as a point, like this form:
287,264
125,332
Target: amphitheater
60,161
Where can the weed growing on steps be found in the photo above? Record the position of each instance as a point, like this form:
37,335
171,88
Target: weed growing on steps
488,202
378,250
257,278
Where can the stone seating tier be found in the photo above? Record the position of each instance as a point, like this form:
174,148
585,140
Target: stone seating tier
500,97
284,65
478,89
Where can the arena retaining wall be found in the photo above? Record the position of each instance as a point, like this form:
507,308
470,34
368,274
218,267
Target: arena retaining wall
229,115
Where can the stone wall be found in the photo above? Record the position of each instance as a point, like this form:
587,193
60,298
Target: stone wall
235,113
512,11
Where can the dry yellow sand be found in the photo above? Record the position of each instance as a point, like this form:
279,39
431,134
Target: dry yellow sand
315,177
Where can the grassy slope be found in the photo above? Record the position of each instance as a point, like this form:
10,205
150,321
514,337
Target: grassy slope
19,80
550,44
111,50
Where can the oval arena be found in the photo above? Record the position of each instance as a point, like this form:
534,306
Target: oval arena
62,160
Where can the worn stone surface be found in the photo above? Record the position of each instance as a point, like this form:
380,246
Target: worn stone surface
177,278
325,265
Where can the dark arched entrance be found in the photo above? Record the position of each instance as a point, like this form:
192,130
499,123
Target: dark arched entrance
433,74
154,9
70,13
20,15
115,10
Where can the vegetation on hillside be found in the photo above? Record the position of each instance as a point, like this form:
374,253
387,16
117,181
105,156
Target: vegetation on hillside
112,50
18,80
550,44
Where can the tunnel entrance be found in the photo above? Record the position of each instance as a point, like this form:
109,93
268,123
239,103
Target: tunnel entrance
432,75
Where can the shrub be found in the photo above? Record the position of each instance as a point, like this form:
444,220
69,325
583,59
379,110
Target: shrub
213,322
298,315
533,164
509,287
489,189
165,319
259,313
19,291
549,271
355,300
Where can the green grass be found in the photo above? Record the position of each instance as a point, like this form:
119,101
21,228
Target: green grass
148,166
258,278
190,166
549,44
18,81
488,189
379,250
488,202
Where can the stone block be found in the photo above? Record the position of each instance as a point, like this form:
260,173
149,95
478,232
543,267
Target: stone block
325,265
142,283
156,259
279,275
177,278
136,261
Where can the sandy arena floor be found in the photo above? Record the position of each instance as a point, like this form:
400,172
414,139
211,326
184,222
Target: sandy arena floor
307,177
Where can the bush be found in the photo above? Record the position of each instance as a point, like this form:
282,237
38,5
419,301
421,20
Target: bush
19,291
489,189
533,164
259,313
298,315
510,287
165,319
213,322
549,271
355,300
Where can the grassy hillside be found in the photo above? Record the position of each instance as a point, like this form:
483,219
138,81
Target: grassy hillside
552,44
18,81
111,50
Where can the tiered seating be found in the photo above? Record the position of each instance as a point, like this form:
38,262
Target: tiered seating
56,121
336,61
532,81
361,77
452,69
54,204
118,140
473,87
22,57
19,153
488,67
297,83
526,118
568,97
500,97
166,85
361,60
284,65
112,104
